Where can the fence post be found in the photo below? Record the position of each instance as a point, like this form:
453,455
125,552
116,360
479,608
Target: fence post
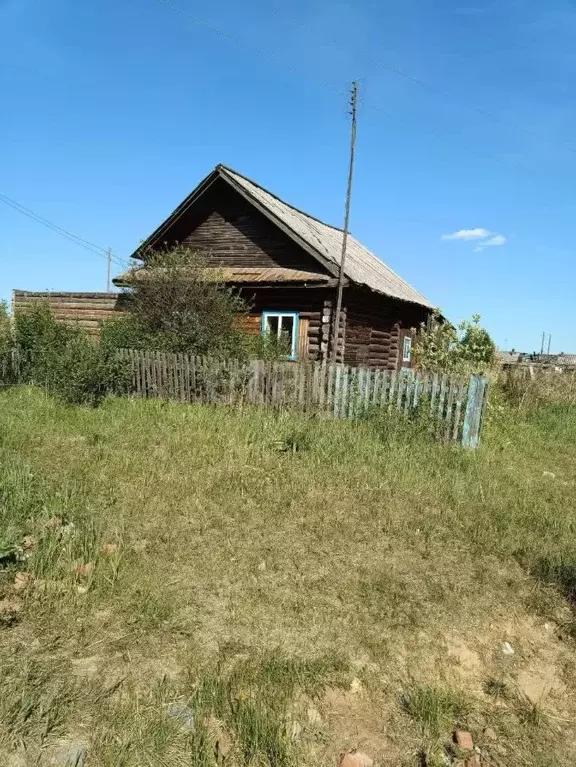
474,409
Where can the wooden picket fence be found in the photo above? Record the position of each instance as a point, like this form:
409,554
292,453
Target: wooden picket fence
454,405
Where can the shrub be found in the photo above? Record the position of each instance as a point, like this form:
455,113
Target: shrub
127,332
62,358
177,305
441,347
5,329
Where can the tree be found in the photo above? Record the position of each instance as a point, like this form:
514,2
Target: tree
176,303
442,347
477,348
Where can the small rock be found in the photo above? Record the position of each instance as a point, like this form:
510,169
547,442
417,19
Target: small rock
507,649
71,755
463,739
183,714
355,758
549,474
489,733
262,566
109,548
314,717
355,685
22,581
82,589
84,569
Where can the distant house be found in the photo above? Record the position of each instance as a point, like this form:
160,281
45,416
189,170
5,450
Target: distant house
286,263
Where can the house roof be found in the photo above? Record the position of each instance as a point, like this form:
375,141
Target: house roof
241,274
321,240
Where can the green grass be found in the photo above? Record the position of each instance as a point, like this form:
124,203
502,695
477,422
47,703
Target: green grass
303,586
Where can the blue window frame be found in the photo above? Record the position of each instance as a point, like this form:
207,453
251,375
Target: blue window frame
407,349
282,325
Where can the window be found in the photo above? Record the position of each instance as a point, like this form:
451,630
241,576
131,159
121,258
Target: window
407,349
283,325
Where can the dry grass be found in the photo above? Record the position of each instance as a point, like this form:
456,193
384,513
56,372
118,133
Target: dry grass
527,391
303,586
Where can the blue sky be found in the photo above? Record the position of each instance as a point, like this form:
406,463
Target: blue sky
112,111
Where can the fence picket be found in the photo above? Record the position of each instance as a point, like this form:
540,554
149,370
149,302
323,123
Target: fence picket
457,412
450,410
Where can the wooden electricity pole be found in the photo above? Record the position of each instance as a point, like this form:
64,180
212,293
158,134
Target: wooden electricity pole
336,320
108,268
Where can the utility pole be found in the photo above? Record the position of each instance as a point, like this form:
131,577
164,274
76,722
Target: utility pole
108,268
543,340
336,321
549,342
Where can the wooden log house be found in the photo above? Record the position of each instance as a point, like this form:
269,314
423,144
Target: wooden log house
286,263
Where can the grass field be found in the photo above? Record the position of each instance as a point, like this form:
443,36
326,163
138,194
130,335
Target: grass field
190,585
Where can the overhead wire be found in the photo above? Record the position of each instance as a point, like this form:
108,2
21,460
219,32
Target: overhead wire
86,244
267,55
434,88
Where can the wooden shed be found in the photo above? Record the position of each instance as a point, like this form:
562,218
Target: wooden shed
286,263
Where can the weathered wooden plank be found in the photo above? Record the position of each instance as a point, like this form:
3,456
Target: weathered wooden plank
442,397
476,398
400,389
344,391
449,417
460,391
392,388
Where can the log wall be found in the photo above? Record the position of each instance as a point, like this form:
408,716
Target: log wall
375,327
88,310
230,232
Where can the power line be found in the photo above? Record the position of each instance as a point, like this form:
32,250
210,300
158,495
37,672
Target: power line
243,44
435,88
86,244
394,70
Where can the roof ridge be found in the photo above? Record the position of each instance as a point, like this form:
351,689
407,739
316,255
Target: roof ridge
228,169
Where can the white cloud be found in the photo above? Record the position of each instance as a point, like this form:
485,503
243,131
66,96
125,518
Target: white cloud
484,237
492,242
497,240
468,234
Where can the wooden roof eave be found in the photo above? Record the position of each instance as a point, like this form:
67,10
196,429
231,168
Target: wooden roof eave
330,283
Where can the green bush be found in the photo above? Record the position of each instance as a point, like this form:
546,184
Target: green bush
179,304
5,329
127,332
443,348
65,360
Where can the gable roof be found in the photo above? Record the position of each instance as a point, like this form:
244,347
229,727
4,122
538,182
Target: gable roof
322,241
